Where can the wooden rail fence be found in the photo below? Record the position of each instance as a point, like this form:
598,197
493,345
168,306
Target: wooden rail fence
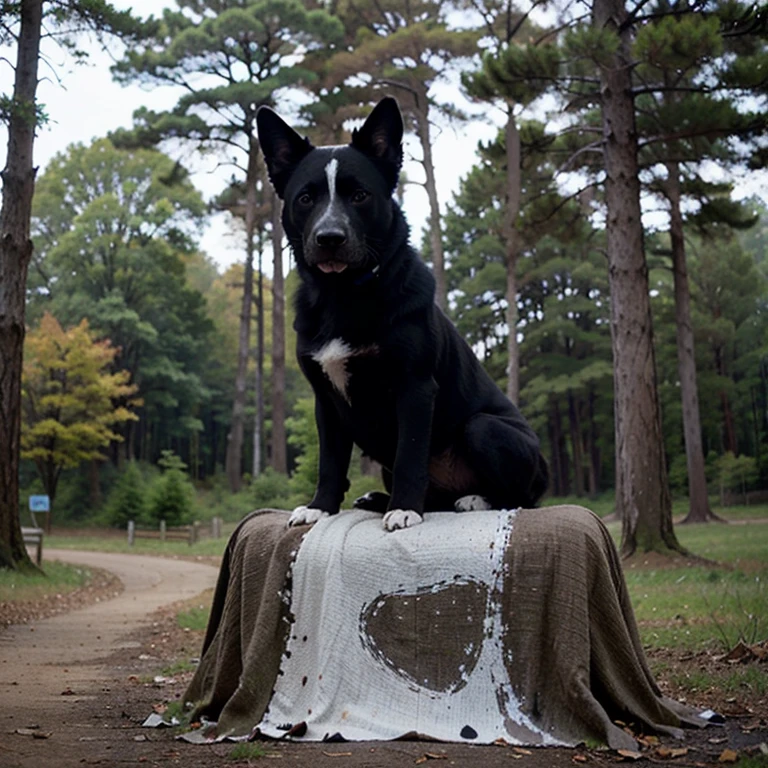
189,533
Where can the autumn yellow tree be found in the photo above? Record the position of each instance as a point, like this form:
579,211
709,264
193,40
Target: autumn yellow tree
70,398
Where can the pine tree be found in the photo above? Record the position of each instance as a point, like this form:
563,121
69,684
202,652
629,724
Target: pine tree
516,48
231,58
406,49
23,24
684,125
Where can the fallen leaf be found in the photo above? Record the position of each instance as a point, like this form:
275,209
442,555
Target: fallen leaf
159,708
580,758
728,756
669,753
629,754
521,751
337,754
718,740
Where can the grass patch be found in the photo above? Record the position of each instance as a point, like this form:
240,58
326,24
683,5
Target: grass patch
57,578
178,667
111,543
195,618
247,751
748,678
698,609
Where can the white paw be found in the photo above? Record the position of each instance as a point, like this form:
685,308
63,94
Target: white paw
305,516
401,518
471,503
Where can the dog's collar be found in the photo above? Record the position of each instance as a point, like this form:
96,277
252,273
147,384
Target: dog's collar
367,276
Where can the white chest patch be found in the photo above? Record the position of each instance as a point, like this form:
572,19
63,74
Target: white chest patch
332,358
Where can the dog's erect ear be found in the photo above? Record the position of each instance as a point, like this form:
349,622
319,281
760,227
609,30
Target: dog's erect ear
381,138
283,148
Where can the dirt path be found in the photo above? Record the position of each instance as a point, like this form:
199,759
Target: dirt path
51,669
75,689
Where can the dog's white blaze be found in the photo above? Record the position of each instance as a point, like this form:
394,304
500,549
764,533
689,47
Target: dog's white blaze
330,174
332,358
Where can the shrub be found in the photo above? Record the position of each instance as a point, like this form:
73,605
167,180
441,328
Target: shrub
128,498
270,489
172,497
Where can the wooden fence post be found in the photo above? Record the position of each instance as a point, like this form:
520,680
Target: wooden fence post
131,532
216,527
163,530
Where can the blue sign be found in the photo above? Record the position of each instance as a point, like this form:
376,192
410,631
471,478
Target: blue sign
40,503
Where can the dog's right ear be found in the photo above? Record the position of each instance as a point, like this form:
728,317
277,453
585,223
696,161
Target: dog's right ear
283,148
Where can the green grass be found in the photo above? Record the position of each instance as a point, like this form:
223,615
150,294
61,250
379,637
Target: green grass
741,545
698,608
247,751
57,579
111,543
195,619
750,677
178,667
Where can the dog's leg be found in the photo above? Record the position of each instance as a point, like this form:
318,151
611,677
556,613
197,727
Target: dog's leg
335,453
505,456
410,473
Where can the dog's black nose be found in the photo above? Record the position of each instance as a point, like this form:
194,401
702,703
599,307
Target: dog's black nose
332,237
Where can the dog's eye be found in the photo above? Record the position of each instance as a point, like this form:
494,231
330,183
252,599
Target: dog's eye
360,196
304,199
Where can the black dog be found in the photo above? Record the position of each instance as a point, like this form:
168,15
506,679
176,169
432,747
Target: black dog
389,370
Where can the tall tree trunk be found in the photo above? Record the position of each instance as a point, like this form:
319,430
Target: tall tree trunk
729,431
421,115
279,454
594,450
15,253
258,425
576,444
234,460
513,248
642,492
698,510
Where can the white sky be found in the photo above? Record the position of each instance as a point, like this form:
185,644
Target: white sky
83,103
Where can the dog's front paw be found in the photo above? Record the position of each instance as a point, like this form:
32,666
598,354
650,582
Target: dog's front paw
401,518
472,503
305,516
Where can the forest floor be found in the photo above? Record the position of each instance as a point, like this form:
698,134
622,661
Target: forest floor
78,677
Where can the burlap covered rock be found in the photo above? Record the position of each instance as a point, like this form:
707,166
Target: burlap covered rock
471,627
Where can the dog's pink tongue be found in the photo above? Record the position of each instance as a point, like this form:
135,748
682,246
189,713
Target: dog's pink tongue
331,266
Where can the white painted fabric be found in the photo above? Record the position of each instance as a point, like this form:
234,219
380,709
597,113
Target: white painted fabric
332,677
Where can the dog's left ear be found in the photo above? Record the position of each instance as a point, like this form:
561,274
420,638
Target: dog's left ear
381,138
283,148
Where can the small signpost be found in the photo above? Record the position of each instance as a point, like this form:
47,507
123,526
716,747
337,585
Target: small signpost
41,503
